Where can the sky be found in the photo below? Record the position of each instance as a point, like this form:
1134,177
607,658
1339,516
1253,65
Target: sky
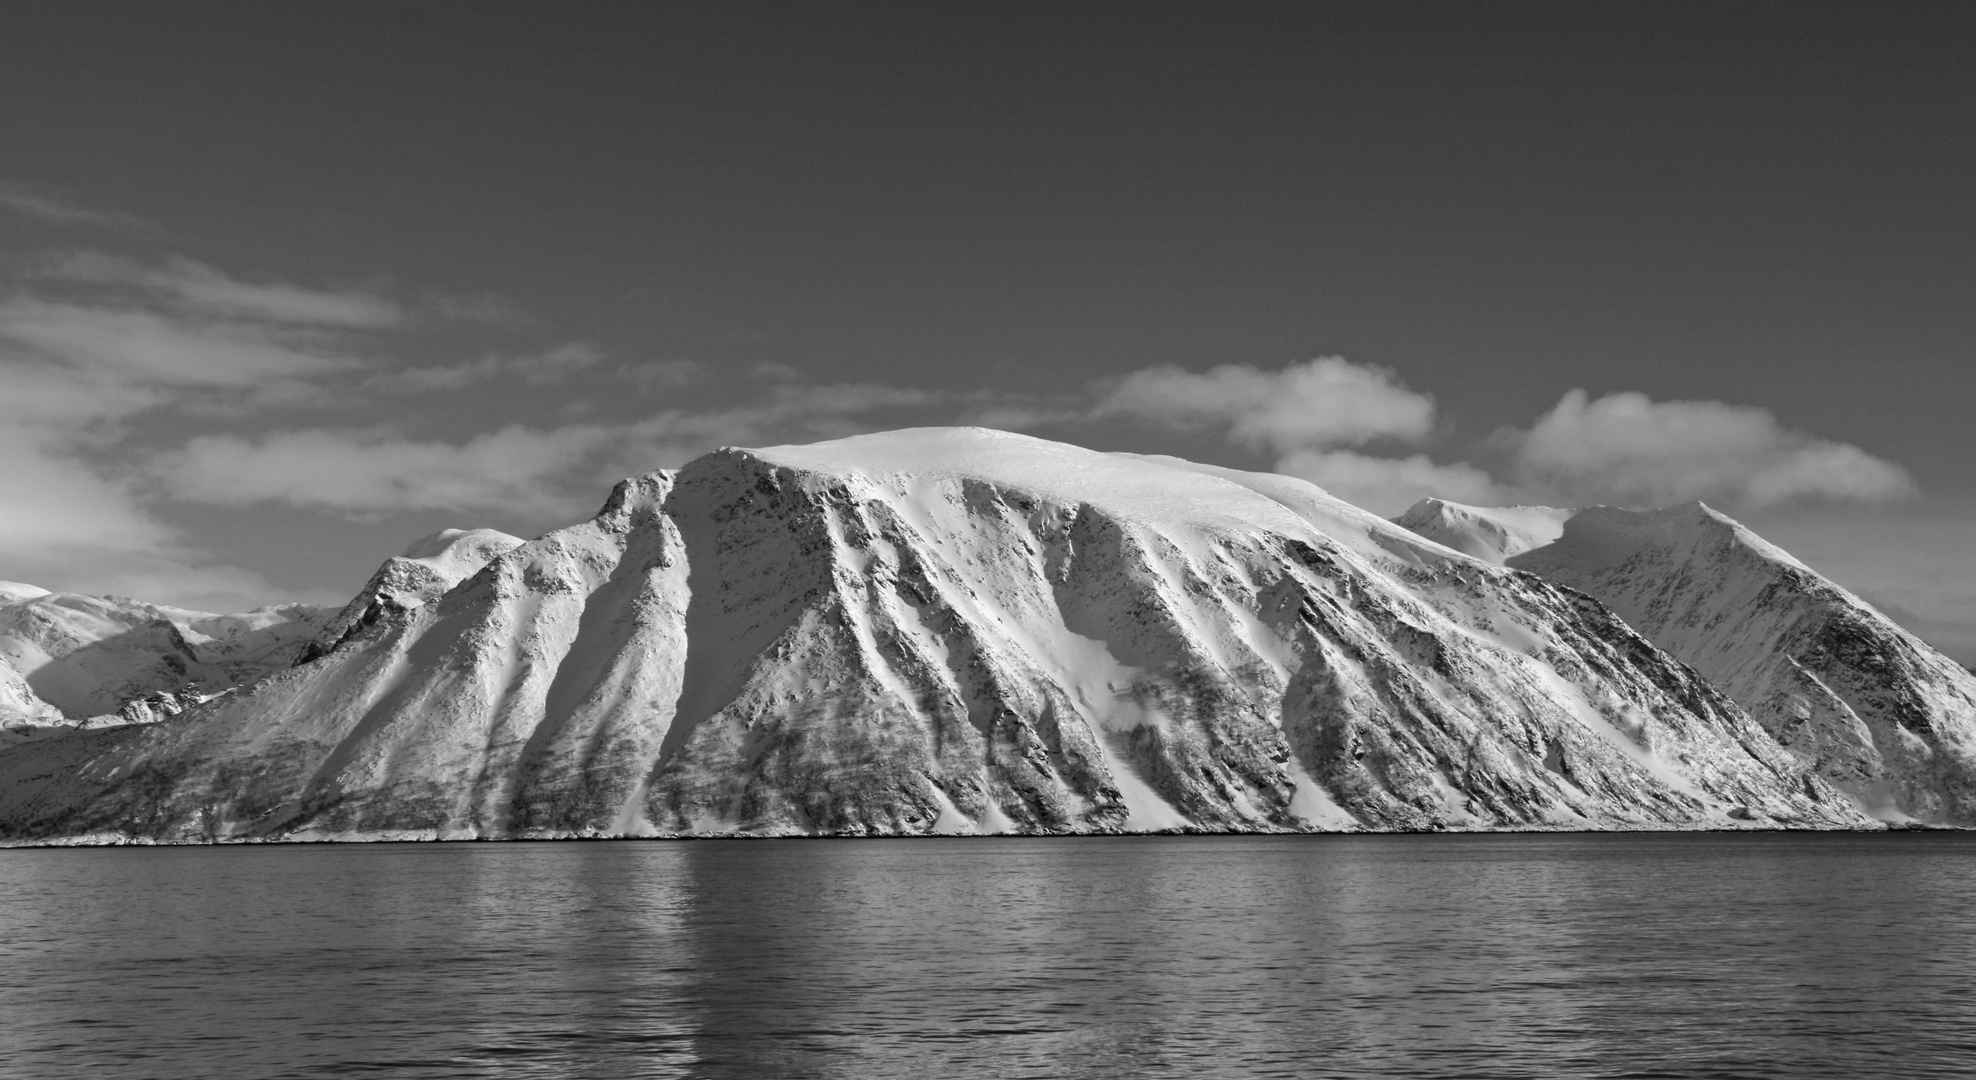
286,287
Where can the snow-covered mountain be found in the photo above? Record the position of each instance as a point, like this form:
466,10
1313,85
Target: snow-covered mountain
68,660
1870,707
1492,534
71,658
429,567
948,630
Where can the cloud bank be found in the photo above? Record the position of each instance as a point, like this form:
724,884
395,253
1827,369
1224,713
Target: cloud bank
556,472
1315,418
1626,449
1322,418
273,393
1318,403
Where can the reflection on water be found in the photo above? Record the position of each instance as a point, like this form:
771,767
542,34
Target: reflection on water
1682,955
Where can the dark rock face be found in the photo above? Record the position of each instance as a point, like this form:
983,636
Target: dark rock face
947,631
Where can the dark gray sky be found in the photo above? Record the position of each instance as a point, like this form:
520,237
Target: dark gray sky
605,237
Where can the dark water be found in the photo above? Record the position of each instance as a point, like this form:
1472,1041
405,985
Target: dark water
1688,955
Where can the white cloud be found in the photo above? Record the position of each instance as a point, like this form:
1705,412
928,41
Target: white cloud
147,348
66,526
1624,448
1387,486
1327,402
204,290
552,472
516,468
78,376
40,204
1318,418
1307,414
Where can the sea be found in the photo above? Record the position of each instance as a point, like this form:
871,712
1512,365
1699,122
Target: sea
1557,955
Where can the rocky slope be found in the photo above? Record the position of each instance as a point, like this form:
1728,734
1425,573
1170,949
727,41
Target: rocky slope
948,630
1865,704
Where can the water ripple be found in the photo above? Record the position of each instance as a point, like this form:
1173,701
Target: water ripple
1751,956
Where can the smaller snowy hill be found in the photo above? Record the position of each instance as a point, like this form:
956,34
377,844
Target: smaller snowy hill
426,569
67,658
1870,707
1492,534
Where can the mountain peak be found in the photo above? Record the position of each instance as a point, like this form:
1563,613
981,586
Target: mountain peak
455,543
429,567
1492,534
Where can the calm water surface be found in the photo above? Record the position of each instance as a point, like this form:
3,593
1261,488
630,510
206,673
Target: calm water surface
1424,956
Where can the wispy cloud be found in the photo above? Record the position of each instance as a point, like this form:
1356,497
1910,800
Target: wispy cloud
95,346
202,290
42,204
68,523
150,348
90,346
555,472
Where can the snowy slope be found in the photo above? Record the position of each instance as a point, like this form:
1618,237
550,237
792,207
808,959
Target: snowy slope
948,630
19,704
1869,706
1493,534
89,656
427,568
70,661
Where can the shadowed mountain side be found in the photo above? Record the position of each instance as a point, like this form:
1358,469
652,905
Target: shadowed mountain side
948,630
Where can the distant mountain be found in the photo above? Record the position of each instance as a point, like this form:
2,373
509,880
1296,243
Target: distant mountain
71,661
66,658
1867,705
945,630
1492,535
428,568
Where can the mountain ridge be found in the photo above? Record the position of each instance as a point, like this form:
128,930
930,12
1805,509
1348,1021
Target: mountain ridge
948,630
